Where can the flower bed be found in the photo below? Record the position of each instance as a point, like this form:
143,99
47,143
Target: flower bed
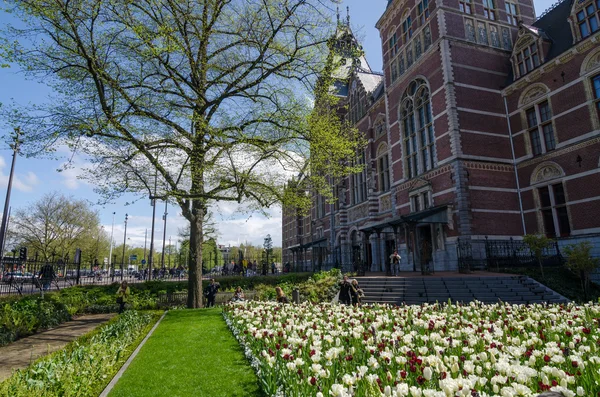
430,351
85,366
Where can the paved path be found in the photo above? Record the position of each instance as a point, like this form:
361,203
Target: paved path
23,352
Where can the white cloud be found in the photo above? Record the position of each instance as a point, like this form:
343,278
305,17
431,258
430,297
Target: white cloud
252,228
22,182
71,172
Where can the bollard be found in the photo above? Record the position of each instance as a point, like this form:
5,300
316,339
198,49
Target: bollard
296,296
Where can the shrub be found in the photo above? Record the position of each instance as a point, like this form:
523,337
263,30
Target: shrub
85,366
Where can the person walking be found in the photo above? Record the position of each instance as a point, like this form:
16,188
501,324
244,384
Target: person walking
123,296
395,263
345,291
46,276
211,292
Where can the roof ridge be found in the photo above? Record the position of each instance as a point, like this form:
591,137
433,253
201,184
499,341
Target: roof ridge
550,9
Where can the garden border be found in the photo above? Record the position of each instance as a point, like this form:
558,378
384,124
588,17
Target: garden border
121,371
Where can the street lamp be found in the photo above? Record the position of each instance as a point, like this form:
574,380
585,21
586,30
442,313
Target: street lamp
112,231
162,260
124,244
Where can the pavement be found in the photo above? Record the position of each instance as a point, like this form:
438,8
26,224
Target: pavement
21,353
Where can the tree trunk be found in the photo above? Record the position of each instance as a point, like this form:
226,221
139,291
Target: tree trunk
541,267
195,259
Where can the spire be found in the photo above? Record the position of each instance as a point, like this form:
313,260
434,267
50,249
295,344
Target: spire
348,17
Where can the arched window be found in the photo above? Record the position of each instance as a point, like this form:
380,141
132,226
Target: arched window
550,192
417,123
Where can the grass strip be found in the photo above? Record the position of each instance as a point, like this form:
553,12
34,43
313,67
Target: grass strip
85,366
191,353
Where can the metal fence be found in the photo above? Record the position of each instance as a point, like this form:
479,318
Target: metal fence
30,276
503,254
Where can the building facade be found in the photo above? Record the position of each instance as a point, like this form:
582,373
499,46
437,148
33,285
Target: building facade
484,125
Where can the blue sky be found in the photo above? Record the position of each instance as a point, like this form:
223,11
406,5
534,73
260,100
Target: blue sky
35,177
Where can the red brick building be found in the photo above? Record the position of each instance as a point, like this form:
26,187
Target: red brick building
484,124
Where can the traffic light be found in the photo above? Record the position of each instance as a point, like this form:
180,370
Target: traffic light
23,253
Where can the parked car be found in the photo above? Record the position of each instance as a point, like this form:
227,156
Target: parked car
18,277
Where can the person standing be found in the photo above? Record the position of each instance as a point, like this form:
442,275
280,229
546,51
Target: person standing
345,291
395,263
46,276
356,293
123,296
211,292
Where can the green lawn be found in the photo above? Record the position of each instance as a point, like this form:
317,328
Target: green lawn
191,353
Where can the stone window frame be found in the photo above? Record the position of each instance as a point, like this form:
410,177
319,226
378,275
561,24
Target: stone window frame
512,17
393,44
539,127
408,113
529,57
549,175
489,10
596,90
466,6
421,199
423,12
590,69
358,181
583,16
407,28
383,168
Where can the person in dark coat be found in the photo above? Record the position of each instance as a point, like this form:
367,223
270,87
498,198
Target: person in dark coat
345,291
46,276
211,292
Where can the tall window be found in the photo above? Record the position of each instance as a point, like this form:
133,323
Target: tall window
320,206
596,84
511,13
541,132
417,123
383,170
407,31
553,206
465,6
423,11
420,201
489,10
359,182
528,59
587,19
393,45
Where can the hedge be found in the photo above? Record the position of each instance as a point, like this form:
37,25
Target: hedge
85,366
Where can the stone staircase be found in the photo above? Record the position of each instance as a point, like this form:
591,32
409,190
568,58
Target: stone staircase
418,290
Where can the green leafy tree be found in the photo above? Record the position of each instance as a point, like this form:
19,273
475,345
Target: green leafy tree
211,256
581,262
55,226
537,244
205,99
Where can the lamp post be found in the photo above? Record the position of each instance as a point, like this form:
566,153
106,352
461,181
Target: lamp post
112,231
124,244
3,227
145,241
162,260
